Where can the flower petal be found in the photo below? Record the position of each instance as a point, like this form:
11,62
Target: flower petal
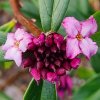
88,47
9,42
18,58
72,26
19,34
72,48
10,53
89,27
23,46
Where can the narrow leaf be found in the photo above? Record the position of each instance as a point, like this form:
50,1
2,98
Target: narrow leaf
89,90
43,91
95,62
4,96
45,8
59,11
48,91
33,91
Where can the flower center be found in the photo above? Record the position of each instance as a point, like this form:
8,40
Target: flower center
79,36
17,44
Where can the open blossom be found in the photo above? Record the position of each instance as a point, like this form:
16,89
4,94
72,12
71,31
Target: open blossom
78,39
16,44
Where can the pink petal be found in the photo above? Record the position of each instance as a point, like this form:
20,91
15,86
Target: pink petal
9,42
72,48
35,73
19,34
88,47
72,26
18,58
23,46
89,27
10,53
14,54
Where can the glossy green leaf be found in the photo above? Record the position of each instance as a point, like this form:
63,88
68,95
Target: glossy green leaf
52,13
46,8
96,36
59,11
2,56
84,72
90,90
4,29
97,17
43,91
95,62
48,91
4,97
33,91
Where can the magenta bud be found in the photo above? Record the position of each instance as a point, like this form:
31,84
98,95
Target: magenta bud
44,73
41,49
49,40
27,62
40,65
61,71
35,73
52,77
58,63
46,63
63,46
40,40
66,65
31,46
52,67
54,49
75,63
58,39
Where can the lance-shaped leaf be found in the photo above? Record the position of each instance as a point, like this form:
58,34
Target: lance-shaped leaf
59,11
46,8
90,90
96,37
42,91
52,13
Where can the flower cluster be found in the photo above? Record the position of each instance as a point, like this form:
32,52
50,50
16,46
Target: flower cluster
46,57
50,56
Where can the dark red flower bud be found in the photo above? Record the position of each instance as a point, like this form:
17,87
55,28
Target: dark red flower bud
61,71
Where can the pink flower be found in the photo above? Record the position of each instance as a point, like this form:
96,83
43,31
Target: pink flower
15,45
78,39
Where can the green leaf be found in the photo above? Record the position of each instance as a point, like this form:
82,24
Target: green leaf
43,91
48,91
95,62
4,5
90,90
96,36
4,97
4,29
46,8
84,72
59,11
97,17
52,13
33,91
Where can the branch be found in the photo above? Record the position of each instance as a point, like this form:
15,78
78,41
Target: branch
23,20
